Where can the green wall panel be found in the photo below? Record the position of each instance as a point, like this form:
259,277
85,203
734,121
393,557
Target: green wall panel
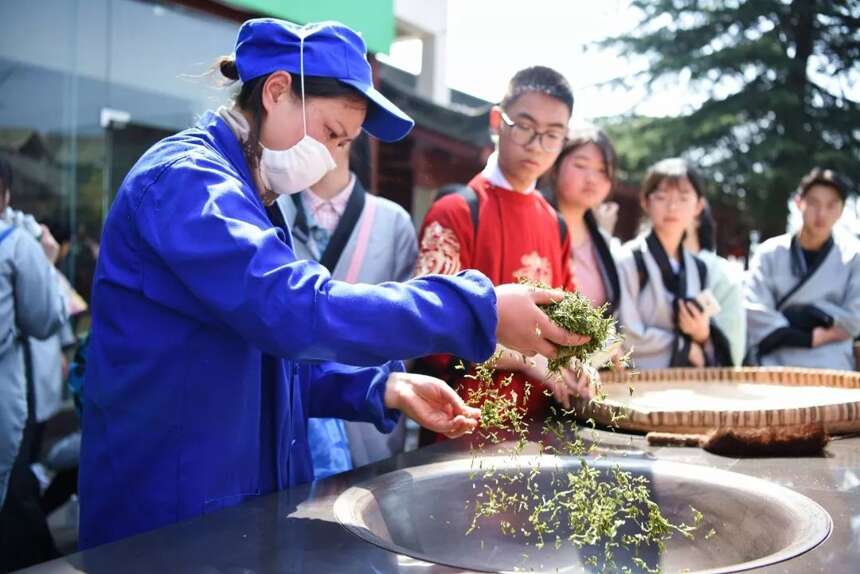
373,18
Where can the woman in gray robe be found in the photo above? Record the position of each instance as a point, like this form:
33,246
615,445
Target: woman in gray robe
665,319
803,290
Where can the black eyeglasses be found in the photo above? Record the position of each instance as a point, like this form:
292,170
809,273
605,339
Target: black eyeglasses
550,140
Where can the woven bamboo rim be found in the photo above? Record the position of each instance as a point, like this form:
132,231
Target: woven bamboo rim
837,418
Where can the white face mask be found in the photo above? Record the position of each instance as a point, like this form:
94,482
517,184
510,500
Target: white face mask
295,169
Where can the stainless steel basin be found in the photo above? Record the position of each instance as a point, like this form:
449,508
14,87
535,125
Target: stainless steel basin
422,512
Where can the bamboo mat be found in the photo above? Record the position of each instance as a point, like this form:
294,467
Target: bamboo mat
701,400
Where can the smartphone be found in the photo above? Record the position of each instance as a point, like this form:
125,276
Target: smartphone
709,303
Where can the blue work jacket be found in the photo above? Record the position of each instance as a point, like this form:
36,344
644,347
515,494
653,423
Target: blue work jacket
212,344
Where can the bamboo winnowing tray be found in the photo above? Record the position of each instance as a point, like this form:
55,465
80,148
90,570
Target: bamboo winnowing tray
700,400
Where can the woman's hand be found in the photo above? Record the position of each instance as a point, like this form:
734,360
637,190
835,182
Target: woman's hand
696,356
431,403
565,386
825,335
693,322
49,245
568,386
523,327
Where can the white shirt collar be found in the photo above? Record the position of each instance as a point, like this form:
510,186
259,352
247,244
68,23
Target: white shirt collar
493,173
338,202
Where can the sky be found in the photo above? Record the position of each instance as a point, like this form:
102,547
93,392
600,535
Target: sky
488,41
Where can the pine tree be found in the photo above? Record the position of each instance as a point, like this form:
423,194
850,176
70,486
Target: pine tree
775,73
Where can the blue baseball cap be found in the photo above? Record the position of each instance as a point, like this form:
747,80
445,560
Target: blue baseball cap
331,50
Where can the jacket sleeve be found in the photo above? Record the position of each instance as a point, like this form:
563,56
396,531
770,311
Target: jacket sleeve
40,309
719,347
760,301
784,337
846,314
352,393
731,319
446,238
208,228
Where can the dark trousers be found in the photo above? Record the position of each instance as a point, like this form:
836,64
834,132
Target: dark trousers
24,536
61,489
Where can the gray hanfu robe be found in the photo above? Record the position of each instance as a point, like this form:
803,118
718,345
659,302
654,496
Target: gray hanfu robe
646,310
390,254
781,286
726,282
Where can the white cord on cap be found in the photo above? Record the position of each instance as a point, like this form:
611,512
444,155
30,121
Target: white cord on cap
302,80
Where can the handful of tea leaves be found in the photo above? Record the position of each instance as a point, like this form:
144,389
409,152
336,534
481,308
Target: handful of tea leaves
576,314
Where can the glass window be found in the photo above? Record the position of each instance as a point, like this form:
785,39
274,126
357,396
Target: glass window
63,76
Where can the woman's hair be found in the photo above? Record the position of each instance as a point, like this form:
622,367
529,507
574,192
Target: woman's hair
5,177
672,170
250,99
707,230
538,79
826,177
577,138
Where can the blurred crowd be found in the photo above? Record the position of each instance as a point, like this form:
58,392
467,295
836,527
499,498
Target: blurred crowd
540,210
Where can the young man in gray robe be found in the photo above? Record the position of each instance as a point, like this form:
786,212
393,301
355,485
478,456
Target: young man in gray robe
803,290
360,238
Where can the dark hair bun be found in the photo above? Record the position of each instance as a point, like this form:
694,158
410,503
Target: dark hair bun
227,66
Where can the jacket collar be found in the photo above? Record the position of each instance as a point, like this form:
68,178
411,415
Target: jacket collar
227,144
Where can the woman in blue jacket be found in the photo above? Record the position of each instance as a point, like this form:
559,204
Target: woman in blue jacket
212,344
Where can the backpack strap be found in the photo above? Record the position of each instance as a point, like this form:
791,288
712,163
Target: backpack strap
562,227
467,193
702,269
340,237
639,258
606,262
474,203
360,250
6,233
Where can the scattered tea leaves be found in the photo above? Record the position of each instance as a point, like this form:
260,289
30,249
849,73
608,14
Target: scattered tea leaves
602,511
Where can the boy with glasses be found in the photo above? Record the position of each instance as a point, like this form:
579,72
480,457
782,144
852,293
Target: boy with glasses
503,227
